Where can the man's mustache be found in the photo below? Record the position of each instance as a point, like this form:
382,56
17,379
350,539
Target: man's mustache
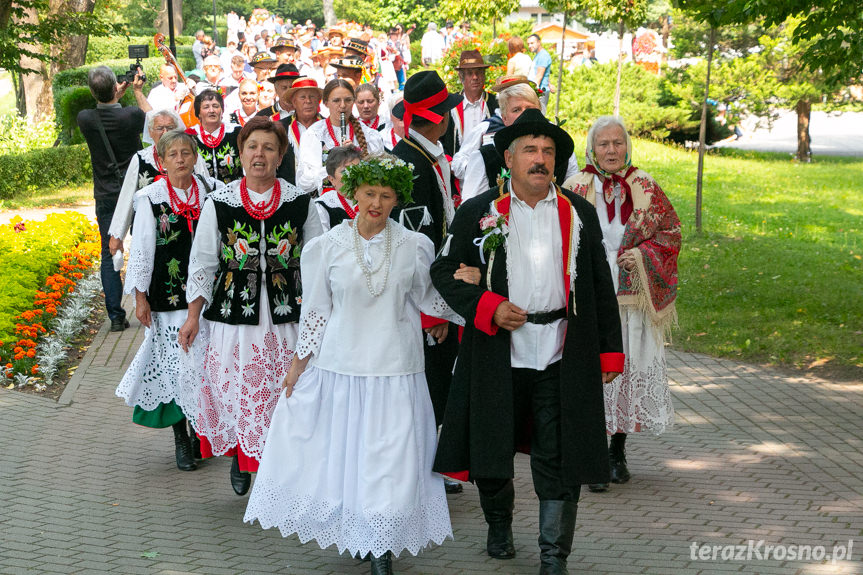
538,169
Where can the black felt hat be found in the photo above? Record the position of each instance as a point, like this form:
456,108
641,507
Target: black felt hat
422,87
286,72
531,122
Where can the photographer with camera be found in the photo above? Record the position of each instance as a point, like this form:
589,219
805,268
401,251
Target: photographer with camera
113,135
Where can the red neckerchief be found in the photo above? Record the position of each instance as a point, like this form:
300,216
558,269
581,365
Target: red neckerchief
608,192
332,132
295,128
210,141
393,137
191,209
373,125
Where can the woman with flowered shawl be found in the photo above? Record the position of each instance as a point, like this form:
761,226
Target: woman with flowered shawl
641,233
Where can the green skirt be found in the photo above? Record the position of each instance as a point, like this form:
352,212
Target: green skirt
165,415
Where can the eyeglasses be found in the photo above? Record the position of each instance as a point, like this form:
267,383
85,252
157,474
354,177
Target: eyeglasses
163,128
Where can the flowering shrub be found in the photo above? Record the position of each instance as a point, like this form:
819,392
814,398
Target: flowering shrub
494,53
43,263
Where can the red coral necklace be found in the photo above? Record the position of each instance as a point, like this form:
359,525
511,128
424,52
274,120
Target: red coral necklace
211,141
261,210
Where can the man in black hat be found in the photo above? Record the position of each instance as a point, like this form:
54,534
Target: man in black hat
349,69
282,80
425,112
476,104
542,335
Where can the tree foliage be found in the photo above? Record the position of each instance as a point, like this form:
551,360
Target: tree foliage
477,10
829,33
23,36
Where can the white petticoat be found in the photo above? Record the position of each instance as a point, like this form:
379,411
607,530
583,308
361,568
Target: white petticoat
230,380
152,376
639,400
348,462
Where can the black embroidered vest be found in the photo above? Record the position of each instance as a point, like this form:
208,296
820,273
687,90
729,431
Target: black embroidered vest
171,260
237,291
223,161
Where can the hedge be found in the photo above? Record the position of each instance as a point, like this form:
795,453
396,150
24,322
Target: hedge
78,76
44,168
68,102
116,47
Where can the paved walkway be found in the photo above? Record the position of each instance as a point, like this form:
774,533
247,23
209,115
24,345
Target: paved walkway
755,455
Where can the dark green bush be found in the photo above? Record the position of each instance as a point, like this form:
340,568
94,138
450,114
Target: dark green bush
44,168
588,92
68,102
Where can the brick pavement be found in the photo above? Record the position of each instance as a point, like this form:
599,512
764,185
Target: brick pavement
755,455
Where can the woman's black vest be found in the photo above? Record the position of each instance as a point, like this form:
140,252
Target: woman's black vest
237,291
171,260
223,161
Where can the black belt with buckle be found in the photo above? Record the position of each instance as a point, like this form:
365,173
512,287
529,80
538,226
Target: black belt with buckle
545,317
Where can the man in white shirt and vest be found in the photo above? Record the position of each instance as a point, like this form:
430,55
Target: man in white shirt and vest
476,105
542,335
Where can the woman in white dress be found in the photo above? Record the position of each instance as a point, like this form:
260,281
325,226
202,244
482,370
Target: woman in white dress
324,135
166,215
245,268
641,233
349,455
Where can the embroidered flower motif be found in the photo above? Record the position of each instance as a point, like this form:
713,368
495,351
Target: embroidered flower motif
226,308
144,180
248,309
281,251
282,306
245,294
164,223
173,300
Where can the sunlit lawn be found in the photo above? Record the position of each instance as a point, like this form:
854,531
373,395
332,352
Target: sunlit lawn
43,198
777,275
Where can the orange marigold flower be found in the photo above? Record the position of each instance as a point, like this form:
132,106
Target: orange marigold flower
35,369
31,353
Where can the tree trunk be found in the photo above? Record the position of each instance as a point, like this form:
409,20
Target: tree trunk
804,151
560,71
494,27
161,21
73,52
702,133
620,31
35,89
329,14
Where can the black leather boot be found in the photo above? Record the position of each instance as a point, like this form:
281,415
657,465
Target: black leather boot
497,509
196,442
617,458
556,528
183,448
452,486
383,565
240,480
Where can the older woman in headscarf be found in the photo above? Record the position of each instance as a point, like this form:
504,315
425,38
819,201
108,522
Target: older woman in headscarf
641,233
144,168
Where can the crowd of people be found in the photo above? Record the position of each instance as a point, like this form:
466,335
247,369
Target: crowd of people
368,308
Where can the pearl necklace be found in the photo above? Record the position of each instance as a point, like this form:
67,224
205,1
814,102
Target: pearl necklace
385,261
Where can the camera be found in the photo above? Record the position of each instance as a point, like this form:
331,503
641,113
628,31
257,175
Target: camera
138,52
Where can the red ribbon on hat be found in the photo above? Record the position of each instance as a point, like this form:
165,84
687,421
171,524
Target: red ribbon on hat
421,108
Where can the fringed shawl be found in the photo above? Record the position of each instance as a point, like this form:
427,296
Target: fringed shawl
653,234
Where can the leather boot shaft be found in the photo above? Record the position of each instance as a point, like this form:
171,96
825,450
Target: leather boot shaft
556,530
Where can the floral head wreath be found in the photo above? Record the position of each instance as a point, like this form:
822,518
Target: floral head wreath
380,170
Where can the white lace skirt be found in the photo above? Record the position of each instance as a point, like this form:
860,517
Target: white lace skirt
639,400
152,376
230,380
348,463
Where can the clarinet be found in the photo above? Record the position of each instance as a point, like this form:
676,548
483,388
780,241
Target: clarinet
344,128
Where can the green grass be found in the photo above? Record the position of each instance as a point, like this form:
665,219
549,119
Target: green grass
65,196
777,275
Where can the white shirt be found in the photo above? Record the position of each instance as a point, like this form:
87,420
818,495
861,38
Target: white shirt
535,279
474,113
470,142
432,46
339,314
161,98
437,151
